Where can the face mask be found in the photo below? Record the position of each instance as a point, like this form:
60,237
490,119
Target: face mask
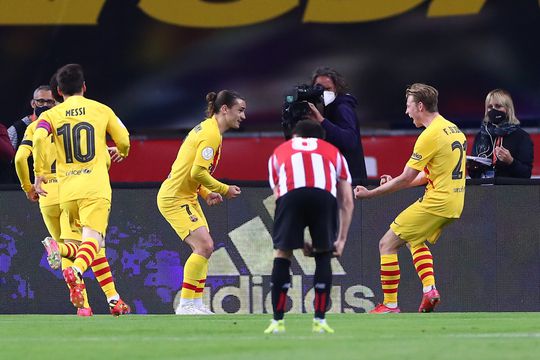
40,109
329,97
497,117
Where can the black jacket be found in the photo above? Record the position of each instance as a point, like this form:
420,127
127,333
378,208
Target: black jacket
343,131
519,144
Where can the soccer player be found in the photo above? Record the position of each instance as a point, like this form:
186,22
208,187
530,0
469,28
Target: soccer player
307,174
438,160
79,127
191,176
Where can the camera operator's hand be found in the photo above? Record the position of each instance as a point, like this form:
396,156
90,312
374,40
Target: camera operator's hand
315,114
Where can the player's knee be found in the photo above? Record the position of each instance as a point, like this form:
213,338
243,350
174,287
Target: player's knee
205,248
386,247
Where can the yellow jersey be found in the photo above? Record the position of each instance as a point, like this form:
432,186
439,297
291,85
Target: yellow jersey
202,147
79,127
48,159
440,151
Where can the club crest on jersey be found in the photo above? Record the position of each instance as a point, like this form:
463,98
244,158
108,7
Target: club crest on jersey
207,153
193,218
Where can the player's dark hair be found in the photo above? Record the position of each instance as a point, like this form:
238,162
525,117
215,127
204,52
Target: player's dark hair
70,79
425,94
337,78
53,83
309,129
216,101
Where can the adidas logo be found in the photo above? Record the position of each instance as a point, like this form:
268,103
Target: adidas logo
244,272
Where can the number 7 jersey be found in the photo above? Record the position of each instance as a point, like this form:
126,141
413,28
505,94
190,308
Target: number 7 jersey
79,127
440,151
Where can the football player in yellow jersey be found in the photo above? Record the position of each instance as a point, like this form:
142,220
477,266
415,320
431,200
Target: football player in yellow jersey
438,160
79,127
58,252
190,177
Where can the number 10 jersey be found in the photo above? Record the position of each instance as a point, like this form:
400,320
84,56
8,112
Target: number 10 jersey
79,127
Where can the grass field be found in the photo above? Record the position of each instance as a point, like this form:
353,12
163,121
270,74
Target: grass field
358,336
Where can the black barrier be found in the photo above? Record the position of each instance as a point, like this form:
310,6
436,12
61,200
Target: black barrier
489,260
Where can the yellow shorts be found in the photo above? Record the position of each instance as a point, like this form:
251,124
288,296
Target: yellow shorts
415,225
51,216
184,216
91,213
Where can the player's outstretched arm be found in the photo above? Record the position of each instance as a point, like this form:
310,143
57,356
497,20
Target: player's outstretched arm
408,178
346,207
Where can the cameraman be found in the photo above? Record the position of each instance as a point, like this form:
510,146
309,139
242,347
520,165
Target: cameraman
340,121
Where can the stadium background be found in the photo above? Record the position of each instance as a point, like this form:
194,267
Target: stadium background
153,62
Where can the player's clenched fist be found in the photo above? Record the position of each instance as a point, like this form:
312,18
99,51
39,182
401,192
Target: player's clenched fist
233,192
361,192
385,179
213,199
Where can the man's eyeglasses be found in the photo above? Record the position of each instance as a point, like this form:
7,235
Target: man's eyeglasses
42,102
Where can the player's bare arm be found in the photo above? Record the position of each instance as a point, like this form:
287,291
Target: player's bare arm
346,206
408,178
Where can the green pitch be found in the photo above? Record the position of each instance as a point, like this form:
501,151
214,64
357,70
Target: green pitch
358,336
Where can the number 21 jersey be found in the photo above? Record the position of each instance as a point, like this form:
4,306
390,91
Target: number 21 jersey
440,151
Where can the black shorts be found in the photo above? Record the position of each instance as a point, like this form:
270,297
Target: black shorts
305,207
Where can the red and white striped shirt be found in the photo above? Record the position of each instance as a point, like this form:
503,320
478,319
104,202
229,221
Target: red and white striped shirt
306,162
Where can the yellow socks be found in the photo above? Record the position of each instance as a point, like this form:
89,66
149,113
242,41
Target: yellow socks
68,250
195,269
423,263
102,271
85,254
390,278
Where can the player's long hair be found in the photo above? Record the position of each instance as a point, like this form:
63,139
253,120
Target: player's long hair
501,97
216,101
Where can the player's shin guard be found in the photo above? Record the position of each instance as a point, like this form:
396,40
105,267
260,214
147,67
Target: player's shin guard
423,263
322,283
86,254
194,270
390,276
67,263
102,271
281,282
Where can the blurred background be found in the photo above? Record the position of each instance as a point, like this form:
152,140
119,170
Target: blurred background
153,61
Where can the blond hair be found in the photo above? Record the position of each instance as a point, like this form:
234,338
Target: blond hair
502,97
425,94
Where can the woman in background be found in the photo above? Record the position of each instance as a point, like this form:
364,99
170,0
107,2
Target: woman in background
502,140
